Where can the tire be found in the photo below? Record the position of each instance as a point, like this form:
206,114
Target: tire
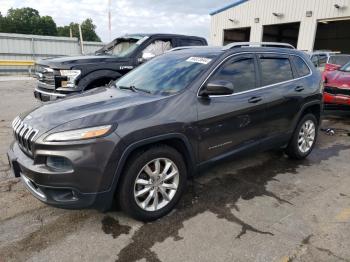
136,169
295,149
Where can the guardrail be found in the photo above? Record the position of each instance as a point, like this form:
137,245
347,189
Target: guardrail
16,67
17,62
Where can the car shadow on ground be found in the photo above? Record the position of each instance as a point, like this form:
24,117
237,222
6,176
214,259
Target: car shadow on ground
219,195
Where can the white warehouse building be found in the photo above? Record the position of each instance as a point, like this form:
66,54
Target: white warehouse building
306,24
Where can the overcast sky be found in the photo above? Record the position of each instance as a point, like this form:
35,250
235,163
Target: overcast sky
129,16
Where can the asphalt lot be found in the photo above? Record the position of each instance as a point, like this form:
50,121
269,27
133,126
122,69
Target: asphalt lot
264,207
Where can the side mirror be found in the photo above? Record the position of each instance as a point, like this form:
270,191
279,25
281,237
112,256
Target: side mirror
147,56
217,88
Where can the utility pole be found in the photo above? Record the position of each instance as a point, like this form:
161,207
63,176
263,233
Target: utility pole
70,32
109,20
81,40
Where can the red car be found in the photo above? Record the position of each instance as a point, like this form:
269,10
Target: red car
334,62
337,87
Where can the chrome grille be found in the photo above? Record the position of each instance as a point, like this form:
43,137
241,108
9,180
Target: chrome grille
45,75
24,135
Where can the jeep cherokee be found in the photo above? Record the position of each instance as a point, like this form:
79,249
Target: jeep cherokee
139,139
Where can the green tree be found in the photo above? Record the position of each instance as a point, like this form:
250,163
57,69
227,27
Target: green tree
64,30
1,22
22,20
87,28
28,21
46,26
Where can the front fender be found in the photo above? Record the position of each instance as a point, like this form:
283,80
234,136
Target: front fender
144,142
85,81
303,109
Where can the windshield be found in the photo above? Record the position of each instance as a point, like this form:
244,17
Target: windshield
339,59
345,68
165,75
122,47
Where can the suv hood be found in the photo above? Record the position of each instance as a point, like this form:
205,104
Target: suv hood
102,106
68,62
338,79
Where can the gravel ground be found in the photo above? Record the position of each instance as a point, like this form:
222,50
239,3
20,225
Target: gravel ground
259,208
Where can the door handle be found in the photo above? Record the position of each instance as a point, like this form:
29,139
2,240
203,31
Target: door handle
299,88
255,99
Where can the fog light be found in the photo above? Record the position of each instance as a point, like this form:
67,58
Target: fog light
58,163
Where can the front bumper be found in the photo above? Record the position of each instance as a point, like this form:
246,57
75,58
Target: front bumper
88,184
51,94
45,96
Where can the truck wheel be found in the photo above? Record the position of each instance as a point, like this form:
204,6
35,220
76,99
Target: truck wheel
304,138
152,183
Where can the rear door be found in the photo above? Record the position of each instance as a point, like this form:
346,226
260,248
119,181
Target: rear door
231,122
284,92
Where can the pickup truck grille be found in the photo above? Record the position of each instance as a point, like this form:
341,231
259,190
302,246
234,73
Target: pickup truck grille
24,135
337,91
45,75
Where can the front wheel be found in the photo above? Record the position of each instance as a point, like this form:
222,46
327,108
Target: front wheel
153,183
304,138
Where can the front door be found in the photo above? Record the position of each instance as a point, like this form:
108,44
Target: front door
231,122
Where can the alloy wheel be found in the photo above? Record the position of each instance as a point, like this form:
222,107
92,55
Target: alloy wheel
156,184
306,136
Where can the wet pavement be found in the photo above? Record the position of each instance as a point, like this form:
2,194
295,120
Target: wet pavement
263,207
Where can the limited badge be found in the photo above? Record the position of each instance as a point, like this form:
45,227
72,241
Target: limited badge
126,67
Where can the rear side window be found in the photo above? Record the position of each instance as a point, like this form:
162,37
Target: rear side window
275,70
314,60
189,42
240,72
322,60
339,59
301,67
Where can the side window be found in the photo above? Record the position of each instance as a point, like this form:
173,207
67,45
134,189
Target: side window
275,70
314,60
239,71
189,42
301,67
158,47
322,60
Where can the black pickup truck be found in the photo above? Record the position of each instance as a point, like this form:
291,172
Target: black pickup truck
64,76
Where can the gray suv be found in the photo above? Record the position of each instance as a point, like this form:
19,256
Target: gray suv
138,140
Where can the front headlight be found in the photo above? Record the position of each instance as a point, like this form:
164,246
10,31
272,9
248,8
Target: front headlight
71,75
78,134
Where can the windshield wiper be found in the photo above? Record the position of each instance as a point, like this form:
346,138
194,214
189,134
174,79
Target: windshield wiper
134,89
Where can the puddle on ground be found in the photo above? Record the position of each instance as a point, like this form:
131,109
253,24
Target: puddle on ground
47,235
112,226
219,196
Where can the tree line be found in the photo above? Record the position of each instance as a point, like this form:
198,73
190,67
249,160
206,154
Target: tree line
28,21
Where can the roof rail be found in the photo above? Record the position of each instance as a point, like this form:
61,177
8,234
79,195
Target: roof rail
178,48
186,47
257,44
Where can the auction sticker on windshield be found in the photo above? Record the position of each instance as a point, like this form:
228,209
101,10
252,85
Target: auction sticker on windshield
200,60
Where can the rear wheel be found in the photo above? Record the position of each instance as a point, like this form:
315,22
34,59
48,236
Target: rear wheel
153,183
304,138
